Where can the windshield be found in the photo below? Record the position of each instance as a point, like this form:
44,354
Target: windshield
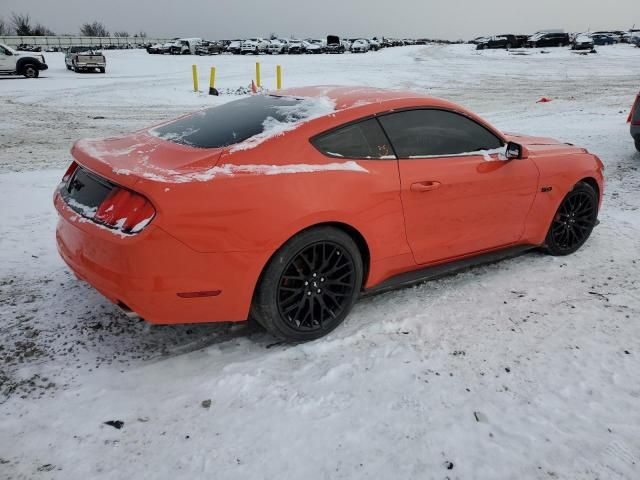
83,49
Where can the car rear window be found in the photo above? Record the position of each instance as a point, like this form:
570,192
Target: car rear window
230,123
364,139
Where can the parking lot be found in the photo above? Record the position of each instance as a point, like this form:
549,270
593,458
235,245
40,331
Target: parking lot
525,368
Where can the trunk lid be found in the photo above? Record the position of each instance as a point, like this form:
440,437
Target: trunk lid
90,58
127,159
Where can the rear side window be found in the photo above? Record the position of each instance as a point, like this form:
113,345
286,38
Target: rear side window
359,140
436,133
232,122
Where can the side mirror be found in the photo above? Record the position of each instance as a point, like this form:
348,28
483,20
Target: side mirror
514,151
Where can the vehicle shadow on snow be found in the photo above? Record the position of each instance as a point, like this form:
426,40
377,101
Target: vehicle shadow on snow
64,325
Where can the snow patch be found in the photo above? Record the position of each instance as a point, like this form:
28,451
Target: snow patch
486,154
295,115
97,148
230,170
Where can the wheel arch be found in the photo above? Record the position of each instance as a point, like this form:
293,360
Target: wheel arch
24,61
354,233
593,183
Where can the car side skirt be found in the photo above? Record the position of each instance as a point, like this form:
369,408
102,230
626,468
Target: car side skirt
443,269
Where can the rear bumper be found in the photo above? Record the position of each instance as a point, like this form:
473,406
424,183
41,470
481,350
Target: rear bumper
146,272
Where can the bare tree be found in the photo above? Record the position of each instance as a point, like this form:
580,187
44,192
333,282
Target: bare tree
141,34
21,23
95,29
4,27
121,34
41,30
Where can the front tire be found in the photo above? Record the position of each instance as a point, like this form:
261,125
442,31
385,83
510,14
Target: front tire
30,71
573,222
309,286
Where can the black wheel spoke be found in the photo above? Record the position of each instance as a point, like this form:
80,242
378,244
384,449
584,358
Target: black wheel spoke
316,286
574,221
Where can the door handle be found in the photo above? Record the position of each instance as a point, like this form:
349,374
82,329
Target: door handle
425,186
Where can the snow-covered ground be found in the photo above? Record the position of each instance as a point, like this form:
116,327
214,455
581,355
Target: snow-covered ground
522,369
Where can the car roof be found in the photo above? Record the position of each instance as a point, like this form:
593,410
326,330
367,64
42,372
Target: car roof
346,97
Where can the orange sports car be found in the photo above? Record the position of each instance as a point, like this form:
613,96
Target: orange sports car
287,207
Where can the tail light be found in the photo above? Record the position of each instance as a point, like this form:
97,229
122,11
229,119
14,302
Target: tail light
634,114
124,210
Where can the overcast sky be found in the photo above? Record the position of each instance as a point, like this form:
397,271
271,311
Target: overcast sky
217,19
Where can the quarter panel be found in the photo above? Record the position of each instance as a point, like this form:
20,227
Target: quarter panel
261,206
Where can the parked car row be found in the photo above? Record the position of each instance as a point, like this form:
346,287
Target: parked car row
557,38
549,38
276,46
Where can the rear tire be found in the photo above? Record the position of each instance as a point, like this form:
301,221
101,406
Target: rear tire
309,286
573,222
637,142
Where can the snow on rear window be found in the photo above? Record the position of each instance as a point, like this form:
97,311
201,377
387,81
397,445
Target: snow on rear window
251,120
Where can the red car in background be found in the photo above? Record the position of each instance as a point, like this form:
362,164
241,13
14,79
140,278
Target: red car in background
634,120
289,207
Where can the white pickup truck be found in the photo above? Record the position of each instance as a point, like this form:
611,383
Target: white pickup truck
84,59
15,63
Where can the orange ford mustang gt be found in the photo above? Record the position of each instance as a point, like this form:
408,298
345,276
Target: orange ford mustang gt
286,208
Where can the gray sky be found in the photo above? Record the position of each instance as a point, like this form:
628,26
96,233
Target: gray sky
213,19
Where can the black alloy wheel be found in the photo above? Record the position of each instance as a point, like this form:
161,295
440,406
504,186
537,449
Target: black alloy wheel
574,221
310,285
316,286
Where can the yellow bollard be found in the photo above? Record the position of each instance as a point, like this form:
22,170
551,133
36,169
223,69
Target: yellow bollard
278,77
258,84
194,71
212,82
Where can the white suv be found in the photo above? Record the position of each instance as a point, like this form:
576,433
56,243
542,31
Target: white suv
15,63
278,45
254,45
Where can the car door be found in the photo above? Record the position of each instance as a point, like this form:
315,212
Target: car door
457,202
7,62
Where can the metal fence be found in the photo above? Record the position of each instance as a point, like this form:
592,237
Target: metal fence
66,42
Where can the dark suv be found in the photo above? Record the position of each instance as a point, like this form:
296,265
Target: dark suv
548,40
634,120
499,41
